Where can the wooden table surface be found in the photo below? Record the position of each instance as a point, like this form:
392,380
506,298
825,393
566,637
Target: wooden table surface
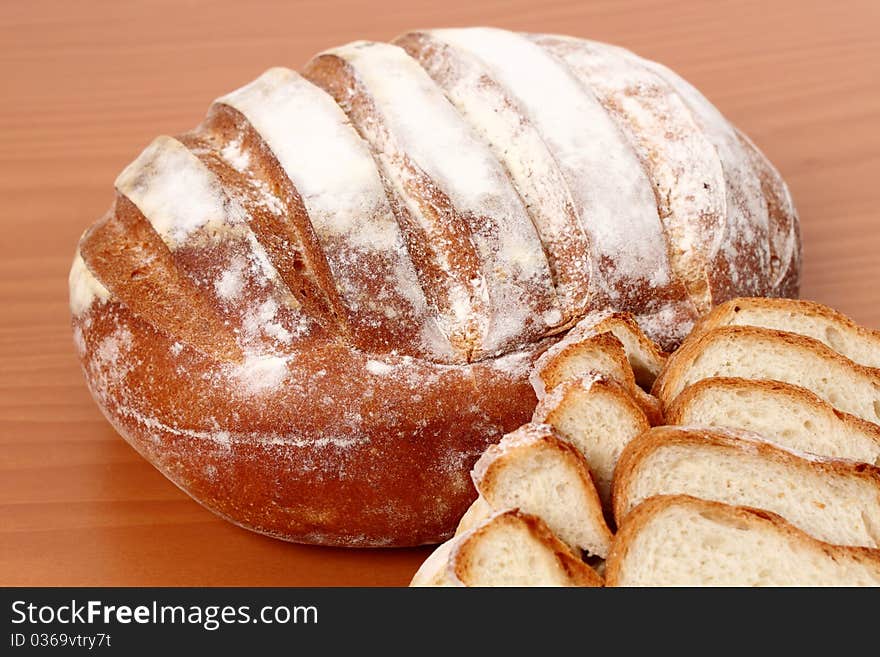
87,85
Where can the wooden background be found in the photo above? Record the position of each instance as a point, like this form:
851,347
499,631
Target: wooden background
87,85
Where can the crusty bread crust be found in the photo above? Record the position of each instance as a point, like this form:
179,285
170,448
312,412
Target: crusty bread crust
671,381
653,507
684,166
786,250
551,402
677,412
518,145
303,459
578,572
645,356
648,359
639,449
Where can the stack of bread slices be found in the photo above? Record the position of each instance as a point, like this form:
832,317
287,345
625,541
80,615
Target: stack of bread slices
755,460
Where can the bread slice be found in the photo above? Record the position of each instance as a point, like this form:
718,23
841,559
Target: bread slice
525,537
513,548
599,418
534,470
808,318
834,500
787,414
683,541
759,353
645,357
603,354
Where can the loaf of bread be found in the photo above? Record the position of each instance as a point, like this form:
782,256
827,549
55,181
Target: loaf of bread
833,500
684,541
314,311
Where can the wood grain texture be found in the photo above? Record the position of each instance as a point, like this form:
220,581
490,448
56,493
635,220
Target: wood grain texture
86,86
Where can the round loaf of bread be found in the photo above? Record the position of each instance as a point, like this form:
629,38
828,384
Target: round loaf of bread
317,309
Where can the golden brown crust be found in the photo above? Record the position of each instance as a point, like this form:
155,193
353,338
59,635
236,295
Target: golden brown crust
289,238
303,460
449,67
640,516
676,413
789,284
549,406
661,122
127,256
783,223
448,242
655,358
650,406
578,572
458,264
641,448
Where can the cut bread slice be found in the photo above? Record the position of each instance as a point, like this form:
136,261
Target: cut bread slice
758,353
601,354
683,541
835,330
645,357
599,418
513,548
833,500
536,471
787,414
